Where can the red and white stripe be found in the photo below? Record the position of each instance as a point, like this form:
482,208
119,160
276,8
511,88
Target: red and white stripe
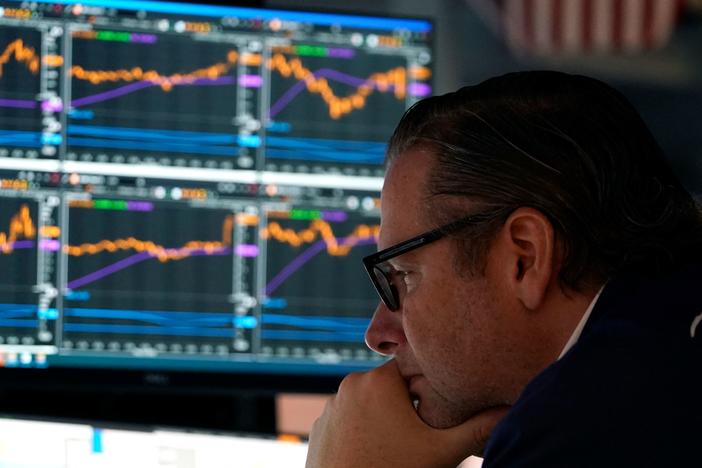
573,27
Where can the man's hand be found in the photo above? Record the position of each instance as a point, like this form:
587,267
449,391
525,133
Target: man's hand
371,422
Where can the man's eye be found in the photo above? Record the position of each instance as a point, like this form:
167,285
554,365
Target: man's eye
407,277
399,276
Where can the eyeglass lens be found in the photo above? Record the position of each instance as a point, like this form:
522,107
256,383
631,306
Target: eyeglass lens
387,290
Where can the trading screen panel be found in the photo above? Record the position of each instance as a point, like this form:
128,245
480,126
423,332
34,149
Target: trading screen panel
191,185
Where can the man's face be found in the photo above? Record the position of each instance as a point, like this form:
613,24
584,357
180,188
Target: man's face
458,339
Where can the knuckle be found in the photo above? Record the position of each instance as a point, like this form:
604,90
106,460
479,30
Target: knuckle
315,428
350,381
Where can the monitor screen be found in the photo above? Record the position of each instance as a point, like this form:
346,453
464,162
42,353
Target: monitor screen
191,187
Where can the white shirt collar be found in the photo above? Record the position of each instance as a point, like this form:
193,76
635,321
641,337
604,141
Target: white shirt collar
579,328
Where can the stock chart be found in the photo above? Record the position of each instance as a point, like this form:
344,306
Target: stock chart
155,94
28,247
332,106
20,63
333,310
18,262
141,271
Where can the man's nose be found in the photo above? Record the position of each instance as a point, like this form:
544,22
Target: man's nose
385,333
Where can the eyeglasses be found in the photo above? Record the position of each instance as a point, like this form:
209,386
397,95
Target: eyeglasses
381,273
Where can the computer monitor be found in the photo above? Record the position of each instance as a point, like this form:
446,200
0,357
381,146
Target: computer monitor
186,190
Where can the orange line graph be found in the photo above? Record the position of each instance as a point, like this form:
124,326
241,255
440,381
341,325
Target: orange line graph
319,228
395,79
162,253
27,54
339,106
21,227
23,54
166,82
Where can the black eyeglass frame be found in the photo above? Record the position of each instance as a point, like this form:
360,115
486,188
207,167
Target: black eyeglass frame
388,293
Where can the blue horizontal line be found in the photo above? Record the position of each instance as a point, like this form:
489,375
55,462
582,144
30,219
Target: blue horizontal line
327,19
32,137
146,330
320,143
115,133
163,318
344,156
350,320
19,323
134,313
311,322
12,306
191,331
8,314
20,138
101,312
140,145
19,133
294,335
316,149
308,323
203,319
144,314
157,135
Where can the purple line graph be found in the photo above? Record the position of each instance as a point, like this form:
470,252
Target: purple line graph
133,260
18,103
298,87
133,87
25,244
299,261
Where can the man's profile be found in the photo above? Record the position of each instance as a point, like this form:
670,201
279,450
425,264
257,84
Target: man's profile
538,269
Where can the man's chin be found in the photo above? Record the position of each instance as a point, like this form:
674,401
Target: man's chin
439,417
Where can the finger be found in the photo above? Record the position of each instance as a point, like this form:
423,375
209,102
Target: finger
385,386
470,437
388,378
389,374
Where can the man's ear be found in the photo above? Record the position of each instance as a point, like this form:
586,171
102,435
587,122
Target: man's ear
527,249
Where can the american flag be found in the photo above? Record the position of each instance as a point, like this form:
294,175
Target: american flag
577,27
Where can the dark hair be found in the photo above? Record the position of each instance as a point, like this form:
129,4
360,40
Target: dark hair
569,146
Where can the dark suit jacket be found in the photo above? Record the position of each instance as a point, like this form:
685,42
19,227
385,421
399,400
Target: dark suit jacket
628,394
